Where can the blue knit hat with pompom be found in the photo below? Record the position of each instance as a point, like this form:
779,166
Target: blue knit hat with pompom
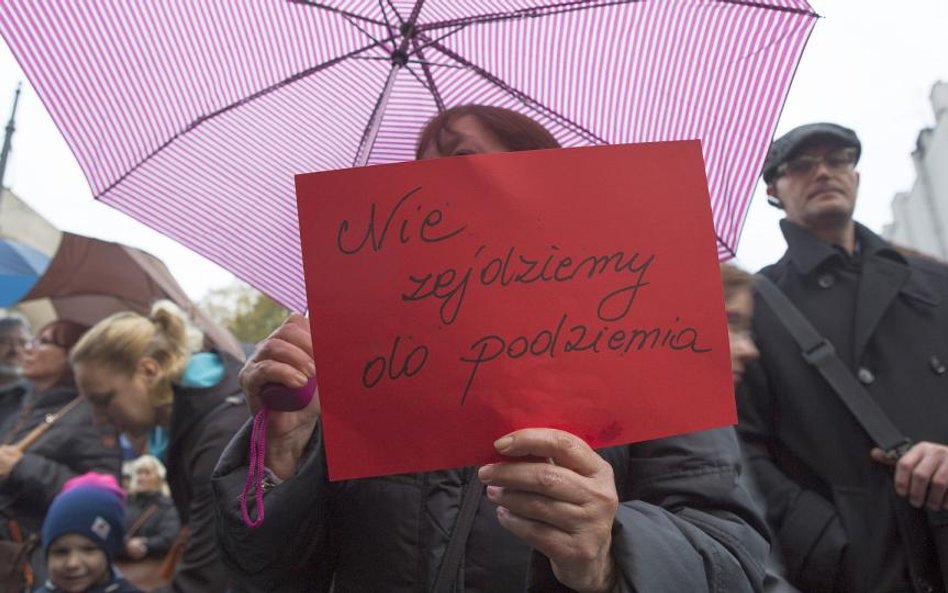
89,510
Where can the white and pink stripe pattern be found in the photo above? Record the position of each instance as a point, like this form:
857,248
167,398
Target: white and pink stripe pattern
193,116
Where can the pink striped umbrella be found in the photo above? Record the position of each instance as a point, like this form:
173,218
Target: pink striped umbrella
194,116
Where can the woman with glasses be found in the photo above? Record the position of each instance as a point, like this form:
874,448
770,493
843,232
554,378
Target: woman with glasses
37,456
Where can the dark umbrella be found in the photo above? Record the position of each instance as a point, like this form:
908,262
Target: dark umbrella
89,279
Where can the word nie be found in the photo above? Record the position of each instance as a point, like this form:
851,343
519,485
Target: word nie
427,229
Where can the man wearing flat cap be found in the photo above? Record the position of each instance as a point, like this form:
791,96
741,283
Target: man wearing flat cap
847,517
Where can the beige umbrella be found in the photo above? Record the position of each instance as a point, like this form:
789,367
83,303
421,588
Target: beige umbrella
21,223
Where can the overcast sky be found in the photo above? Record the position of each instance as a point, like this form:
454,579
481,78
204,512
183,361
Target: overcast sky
869,65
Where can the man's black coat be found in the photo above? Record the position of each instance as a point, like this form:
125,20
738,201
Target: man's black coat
831,507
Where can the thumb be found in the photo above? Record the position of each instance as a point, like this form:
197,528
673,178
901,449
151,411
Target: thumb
879,456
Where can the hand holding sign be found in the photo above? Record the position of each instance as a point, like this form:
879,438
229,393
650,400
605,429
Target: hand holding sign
284,358
563,509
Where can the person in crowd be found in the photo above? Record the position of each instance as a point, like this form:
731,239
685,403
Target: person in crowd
37,456
739,308
82,534
14,338
846,517
150,518
140,372
665,515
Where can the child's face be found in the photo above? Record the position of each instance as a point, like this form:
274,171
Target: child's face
76,563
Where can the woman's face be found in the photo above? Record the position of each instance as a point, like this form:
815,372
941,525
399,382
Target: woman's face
740,310
147,479
45,361
117,399
468,137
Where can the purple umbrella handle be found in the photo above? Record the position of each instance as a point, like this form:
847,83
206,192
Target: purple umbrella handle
287,399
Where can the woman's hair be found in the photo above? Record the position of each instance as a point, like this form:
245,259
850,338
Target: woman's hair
120,341
159,468
65,334
734,280
516,131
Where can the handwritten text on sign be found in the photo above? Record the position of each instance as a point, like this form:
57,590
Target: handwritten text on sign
455,300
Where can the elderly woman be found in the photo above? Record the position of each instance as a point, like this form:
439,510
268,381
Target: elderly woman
36,462
151,520
664,515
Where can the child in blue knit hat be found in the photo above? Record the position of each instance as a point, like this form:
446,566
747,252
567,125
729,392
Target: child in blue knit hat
82,533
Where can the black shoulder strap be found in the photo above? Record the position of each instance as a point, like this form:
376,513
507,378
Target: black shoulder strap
821,354
447,574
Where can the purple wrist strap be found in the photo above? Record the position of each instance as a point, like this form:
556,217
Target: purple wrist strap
258,449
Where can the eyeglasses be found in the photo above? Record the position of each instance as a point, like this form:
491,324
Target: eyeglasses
836,161
14,343
44,341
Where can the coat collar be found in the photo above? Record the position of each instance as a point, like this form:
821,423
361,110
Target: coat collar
191,404
885,273
807,252
54,397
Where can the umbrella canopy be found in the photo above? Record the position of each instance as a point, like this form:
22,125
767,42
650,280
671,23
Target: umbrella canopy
23,224
89,279
194,116
20,267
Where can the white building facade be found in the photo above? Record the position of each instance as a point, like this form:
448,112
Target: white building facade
920,216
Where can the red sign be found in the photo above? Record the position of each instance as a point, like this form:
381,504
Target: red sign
455,300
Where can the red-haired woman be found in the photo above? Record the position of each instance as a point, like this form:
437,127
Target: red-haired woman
665,515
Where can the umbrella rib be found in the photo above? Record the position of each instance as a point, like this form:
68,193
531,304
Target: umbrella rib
532,12
391,5
418,78
426,69
395,10
439,102
761,5
249,98
338,11
526,99
384,16
352,22
418,48
724,243
415,61
399,60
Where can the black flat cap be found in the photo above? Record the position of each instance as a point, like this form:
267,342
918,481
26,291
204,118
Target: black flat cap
788,145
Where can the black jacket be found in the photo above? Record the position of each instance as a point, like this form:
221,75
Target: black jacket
73,446
11,397
684,525
830,506
202,423
159,528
